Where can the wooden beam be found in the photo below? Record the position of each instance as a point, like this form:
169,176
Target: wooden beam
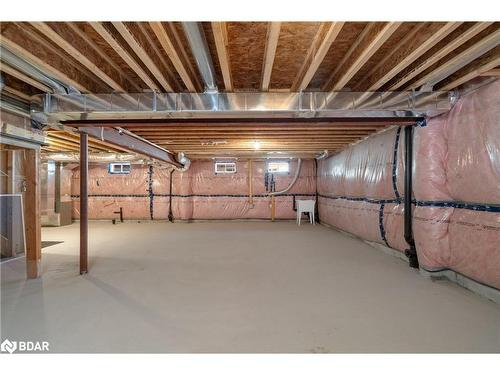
110,39
273,207
131,143
366,51
69,48
423,41
32,213
273,33
143,55
451,66
317,54
471,74
169,48
103,55
70,136
84,203
438,55
192,70
23,77
476,51
19,94
348,55
60,140
50,69
491,73
221,43
147,38
394,49
57,57
250,183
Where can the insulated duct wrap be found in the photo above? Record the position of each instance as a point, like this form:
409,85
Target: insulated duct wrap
197,193
456,187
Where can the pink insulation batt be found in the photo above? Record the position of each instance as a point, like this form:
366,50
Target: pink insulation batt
456,161
198,193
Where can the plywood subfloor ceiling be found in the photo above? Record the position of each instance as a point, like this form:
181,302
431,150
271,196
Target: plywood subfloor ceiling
106,57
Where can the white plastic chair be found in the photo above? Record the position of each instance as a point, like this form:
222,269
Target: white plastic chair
306,206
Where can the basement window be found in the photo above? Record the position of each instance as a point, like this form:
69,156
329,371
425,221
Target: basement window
119,168
224,167
278,167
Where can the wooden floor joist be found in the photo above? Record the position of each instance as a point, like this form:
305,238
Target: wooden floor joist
142,54
221,42
124,54
169,49
273,33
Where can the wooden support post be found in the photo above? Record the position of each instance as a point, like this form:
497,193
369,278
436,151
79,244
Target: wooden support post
32,213
84,169
250,183
11,171
273,207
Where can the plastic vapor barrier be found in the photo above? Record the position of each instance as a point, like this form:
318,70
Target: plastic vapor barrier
456,188
198,193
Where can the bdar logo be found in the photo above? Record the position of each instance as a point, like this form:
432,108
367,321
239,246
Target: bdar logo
8,346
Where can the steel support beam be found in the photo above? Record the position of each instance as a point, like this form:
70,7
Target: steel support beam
84,218
131,143
234,122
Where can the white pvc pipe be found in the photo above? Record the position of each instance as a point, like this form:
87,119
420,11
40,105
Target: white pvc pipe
297,172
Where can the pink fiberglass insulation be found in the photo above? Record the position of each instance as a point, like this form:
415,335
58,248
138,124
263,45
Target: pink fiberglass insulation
430,151
393,221
474,244
430,230
456,161
198,193
472,132
364,170
359,218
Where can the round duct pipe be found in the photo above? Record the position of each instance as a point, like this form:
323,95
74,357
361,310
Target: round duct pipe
184,160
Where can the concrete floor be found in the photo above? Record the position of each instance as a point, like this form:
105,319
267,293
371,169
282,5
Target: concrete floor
237,287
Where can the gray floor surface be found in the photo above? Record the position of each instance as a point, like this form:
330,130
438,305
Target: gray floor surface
256,287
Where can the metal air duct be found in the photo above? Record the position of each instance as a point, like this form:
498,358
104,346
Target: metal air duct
199,48
16,62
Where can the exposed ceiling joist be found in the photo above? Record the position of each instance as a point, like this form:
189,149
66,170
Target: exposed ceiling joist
472,73
455,43
15,92
348,55
409,53
221,42
317,54
273,33
491,73
176,36
73,137
484,45
23,77
366,51
41,64
142,54
81,57
169,49
103,55
390,54
110,39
